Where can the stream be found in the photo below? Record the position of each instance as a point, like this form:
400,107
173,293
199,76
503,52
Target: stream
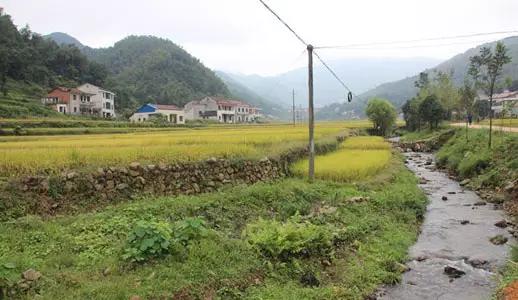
456,233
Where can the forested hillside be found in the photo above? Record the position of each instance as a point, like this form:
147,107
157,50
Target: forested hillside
149,69
398,92
30,64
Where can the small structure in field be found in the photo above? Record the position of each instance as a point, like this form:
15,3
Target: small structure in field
147,112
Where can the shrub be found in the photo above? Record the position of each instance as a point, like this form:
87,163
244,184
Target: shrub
148,240
190,229
283,241
154,239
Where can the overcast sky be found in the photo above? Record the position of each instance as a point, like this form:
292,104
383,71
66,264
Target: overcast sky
242,36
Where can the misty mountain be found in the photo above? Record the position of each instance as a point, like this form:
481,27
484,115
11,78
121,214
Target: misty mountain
64,39
359,74
239,91
398,92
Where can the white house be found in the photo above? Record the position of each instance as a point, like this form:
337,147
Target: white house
102,102
173,114
506,100
222,110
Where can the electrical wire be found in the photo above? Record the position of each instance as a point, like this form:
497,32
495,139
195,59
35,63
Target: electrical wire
419,40
332,72
285,24
305,44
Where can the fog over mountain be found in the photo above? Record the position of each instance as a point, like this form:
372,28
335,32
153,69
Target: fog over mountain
360,74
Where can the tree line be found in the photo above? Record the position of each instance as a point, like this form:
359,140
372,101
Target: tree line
439,99
27,56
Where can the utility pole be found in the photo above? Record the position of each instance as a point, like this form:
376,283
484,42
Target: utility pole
311,171
293,107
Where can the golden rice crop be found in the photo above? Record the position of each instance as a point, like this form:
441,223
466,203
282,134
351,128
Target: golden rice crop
30,154
346,164
365,143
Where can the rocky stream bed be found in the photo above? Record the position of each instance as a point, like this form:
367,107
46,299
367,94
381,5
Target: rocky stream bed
463,241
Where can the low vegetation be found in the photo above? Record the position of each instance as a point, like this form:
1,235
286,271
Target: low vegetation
470,158
286,240
357,158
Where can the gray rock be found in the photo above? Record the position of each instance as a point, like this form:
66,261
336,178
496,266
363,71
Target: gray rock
501,224
453,272
498,240
31,275
134,166
122,186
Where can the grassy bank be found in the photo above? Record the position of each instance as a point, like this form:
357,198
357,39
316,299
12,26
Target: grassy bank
287,240
472,159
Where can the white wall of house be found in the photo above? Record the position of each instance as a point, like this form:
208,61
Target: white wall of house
99,99
173,116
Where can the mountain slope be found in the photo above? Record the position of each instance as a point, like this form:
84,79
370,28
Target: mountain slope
359,74
241,92
64,39
398,92
149,69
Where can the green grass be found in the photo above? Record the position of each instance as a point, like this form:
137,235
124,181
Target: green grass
373,236
471,158
425,134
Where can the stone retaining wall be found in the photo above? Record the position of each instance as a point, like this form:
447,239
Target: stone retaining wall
82,190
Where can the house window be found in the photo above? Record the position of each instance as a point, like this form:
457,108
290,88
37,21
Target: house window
108,106
180,118
75,108
74,97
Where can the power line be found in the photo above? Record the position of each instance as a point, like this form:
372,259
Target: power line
306,44
285,24
419,40
332,72
412,46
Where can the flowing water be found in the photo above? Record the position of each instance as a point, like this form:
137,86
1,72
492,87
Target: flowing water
456,232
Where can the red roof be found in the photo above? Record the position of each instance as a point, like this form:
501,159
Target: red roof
228,102
167,106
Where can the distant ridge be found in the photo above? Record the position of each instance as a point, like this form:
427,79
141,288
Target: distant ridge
398,92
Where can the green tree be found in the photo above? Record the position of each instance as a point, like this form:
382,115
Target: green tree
486,68
431,111
382,114
411,114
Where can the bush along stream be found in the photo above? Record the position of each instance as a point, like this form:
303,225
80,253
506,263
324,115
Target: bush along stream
465,249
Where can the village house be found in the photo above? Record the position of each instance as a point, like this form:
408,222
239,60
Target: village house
222,110
172,113
86,99
504,102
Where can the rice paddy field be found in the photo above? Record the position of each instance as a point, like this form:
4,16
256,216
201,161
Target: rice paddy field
20,155
357,158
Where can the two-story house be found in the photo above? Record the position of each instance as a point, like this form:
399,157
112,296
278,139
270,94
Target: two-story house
66,100
220,109
102,101
86,99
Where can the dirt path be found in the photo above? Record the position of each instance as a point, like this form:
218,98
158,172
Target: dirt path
453,257
496,128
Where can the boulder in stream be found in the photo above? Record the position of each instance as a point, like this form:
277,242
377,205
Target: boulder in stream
453,272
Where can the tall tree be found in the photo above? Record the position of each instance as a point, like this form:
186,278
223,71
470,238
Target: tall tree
486,68
382,114
431,111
